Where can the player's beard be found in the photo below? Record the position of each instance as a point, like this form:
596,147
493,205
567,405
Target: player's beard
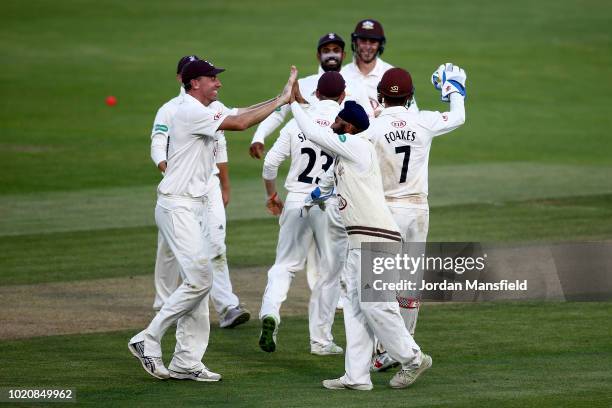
331,61
339,128
367,56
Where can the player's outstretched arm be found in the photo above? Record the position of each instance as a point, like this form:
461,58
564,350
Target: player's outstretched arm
269,125
256,113
349,147
450,80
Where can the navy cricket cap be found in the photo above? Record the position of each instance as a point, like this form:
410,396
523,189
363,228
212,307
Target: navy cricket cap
354,114
330,38
331,84
198,68
184,61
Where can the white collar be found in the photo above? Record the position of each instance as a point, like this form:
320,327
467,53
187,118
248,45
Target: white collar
394,109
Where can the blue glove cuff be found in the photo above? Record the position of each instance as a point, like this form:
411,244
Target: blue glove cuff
457,85
316,193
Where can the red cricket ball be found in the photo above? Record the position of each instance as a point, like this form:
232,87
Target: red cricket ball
111,100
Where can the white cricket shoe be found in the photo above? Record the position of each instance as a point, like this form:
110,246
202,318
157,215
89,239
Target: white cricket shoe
269,330
382,362
405,377
329,350
152,365
337,384
203,375
234,316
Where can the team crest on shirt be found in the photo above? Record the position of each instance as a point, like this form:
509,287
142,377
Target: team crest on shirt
322,122
342,137
217,115
342,203
398,124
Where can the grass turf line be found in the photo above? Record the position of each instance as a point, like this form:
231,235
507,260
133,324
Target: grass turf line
502,354
110,253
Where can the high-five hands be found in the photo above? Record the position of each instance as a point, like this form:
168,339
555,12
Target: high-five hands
285,96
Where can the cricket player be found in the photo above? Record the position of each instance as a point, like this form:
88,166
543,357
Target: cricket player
330,54
403,141
180,215
167,276
366,218
368,43
300,228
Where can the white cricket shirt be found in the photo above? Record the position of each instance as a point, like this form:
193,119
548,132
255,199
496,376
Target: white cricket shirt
191,151
161,128
351,72
360,194
403,140
308,161
160,134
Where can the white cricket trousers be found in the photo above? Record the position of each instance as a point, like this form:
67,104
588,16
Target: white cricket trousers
180,224
298,228
167,275
363,321
413,224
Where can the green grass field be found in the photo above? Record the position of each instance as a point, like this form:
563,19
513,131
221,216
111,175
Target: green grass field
531,164
507,355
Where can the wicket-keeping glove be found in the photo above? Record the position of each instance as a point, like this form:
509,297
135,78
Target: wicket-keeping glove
317,197
447,79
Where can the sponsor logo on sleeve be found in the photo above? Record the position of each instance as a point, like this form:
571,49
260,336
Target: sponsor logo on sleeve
160,128
218,115
444,117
